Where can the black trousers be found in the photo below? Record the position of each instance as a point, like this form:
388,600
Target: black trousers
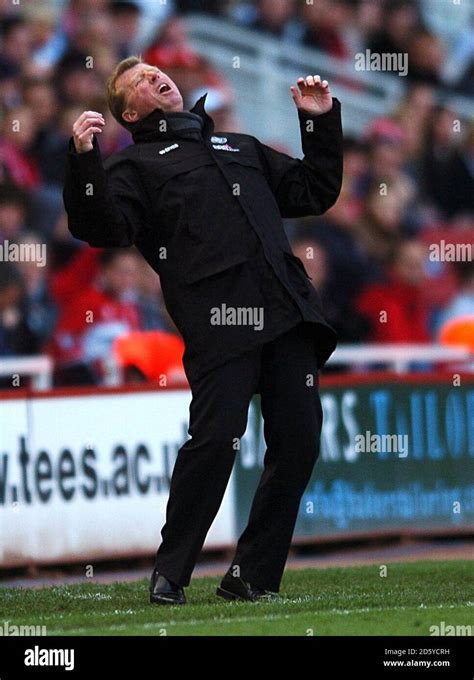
285,373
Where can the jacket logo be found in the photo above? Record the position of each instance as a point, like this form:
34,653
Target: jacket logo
224,147
219,140
168,149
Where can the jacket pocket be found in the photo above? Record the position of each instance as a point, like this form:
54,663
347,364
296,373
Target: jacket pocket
229,158
173,170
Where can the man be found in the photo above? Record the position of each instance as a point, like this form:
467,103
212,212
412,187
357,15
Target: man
205,211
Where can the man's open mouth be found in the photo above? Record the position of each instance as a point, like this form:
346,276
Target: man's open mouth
164,88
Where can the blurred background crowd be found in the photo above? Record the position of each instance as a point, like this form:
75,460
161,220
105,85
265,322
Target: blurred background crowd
408,178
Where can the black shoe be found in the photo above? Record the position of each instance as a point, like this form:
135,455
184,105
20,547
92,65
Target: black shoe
235,588
163,591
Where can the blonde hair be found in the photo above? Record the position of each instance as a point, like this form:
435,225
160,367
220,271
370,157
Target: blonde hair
116,99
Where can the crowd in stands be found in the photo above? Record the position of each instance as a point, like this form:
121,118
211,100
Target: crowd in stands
408,180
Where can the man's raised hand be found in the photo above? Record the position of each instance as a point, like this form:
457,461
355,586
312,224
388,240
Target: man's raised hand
312,96
88,124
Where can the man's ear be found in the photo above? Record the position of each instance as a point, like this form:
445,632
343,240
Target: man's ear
130,116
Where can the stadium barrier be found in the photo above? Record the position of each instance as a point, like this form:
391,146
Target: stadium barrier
397,357
84,473
40,368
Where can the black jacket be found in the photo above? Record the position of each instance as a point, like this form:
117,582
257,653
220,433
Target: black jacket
188,203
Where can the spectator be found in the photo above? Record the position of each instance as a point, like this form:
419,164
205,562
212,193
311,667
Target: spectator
348,266
369,22
348,324
447,170
325,23
396,309
51,145
386,141
275,17
125,16
401,20
74,270
356,168
40,311
172,52
413,115
13,210
75,11
77,84
16,41
171,46
16,337
101,313
426,57
17,135
39,95
379,232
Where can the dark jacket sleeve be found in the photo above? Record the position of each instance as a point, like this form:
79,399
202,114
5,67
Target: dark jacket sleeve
105,207
309,186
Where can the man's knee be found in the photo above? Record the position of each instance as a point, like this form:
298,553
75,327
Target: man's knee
219,436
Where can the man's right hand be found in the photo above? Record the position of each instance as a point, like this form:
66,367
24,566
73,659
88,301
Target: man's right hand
88,124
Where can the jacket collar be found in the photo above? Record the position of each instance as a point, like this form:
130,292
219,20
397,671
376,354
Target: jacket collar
151,127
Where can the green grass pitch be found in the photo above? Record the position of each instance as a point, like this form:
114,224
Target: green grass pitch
410,599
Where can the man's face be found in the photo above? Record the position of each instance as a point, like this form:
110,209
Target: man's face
146,89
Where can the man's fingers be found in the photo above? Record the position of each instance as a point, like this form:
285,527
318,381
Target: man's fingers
86,124
88,115
78,127
312,82
295,94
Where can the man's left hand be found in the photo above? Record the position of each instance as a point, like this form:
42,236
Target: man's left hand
312,95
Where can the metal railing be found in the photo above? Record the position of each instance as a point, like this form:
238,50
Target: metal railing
40,368
399,357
